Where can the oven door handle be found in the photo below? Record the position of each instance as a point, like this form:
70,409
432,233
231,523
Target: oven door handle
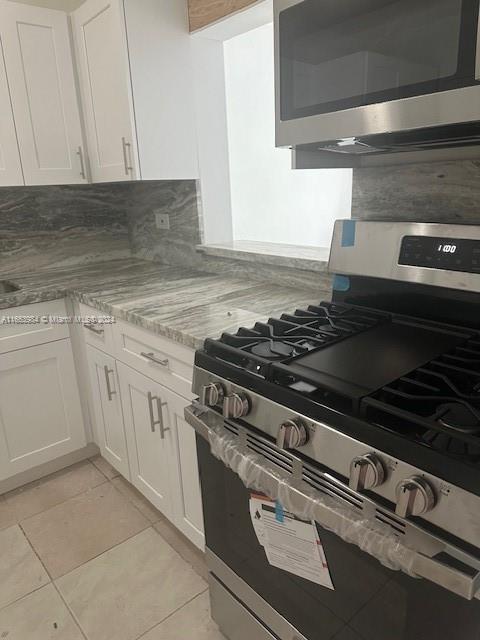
330,513
466,585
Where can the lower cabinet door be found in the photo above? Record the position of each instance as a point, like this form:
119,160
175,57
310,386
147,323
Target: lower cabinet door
40,412
107,409
149,437
187,497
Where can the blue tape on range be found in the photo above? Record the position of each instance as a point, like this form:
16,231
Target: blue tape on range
341,283
279,513
348,233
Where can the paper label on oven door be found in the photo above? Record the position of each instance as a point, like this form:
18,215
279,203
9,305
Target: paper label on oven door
290,544
256,514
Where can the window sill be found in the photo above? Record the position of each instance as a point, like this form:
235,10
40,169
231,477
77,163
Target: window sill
281,255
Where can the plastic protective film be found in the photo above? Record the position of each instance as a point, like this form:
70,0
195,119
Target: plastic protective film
307,503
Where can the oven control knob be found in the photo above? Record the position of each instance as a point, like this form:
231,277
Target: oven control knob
415,497
211,395
292,434
366,472
236,405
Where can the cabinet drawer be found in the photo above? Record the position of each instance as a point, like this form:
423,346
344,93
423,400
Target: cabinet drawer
32,324
164,361
97,334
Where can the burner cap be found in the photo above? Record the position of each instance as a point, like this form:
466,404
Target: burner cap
273,350
459,417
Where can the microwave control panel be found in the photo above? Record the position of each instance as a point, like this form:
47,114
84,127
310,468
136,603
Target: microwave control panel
449,254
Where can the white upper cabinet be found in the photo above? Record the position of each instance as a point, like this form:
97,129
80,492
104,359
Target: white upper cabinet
10,165
102,57
37,53
135,65
161,63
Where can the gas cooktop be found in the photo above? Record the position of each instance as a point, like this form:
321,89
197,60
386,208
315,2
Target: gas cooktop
417,378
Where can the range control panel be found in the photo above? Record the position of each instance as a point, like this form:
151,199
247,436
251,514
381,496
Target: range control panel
441,253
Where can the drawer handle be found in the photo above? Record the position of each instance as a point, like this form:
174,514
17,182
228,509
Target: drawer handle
82,163
94,329
110,392
126,149
152,358
153,422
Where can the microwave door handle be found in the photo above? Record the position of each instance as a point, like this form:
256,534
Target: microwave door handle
477,55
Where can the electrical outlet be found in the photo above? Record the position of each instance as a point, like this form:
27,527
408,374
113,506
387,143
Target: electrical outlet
162,220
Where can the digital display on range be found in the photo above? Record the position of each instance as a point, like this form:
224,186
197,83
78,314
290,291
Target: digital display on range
448,254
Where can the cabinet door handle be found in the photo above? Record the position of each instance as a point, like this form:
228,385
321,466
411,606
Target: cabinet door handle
126,149
152,358
82,163
94,329
153,422
110,392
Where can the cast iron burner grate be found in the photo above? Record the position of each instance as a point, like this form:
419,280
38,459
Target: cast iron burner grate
292,335
439,402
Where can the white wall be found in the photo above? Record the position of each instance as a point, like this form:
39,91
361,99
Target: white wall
211,120
62,5
270,201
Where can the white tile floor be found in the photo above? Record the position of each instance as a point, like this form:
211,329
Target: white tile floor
83,556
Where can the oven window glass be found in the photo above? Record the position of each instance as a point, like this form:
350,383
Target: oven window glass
340,54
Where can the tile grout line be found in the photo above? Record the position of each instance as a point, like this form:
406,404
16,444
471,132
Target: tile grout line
51,582
130,501
102,472
157,624
76,495
149,526
70,610
152,525
101,553
190,564
29,593
35,551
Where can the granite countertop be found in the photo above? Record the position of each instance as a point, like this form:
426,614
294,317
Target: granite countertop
181,304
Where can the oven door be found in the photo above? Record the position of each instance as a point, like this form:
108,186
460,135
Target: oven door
252,599
350,68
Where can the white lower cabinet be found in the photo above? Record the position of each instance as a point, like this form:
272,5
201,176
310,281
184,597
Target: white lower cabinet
162,451
107,409
149,437
187,497
40,412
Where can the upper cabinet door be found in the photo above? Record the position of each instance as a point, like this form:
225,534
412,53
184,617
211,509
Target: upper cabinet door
10,165
41,76
99,29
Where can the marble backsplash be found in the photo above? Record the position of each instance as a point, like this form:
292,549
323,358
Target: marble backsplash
60,226
49,226
436,192
57,226
180,200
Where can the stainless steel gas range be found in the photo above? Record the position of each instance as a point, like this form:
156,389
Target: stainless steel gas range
360,416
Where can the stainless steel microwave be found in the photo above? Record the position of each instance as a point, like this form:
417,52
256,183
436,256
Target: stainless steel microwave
360,79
